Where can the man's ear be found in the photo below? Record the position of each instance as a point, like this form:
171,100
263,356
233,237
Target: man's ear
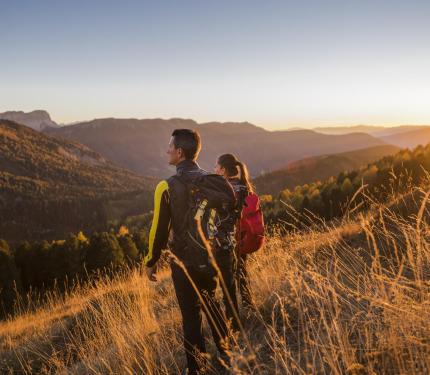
181,152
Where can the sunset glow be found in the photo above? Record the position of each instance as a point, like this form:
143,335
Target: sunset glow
277,64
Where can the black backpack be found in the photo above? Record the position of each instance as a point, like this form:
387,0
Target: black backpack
210,218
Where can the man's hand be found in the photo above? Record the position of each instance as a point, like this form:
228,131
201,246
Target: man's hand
150,272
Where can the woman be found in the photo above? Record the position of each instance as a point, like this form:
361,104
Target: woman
235,265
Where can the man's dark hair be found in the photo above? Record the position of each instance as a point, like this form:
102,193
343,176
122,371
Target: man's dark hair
189,141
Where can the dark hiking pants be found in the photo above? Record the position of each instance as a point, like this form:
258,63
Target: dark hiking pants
227,264
191,306
243,281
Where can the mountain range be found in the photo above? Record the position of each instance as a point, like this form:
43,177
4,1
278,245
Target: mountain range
140,145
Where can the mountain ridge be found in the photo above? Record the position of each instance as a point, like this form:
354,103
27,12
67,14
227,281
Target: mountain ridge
140,145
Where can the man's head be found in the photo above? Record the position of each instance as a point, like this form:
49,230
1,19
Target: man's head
184,144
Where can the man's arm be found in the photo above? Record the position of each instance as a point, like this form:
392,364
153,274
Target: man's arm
160,227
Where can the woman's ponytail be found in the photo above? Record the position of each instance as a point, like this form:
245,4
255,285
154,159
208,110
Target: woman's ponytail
244,176
233,167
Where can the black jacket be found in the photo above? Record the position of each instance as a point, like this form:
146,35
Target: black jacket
170,207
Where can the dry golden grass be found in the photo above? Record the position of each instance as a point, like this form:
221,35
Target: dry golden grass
352,299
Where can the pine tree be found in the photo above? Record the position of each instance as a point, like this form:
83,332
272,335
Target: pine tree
10,282
103,251
131,253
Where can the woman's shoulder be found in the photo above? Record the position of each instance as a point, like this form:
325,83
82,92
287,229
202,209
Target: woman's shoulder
238,186
235,181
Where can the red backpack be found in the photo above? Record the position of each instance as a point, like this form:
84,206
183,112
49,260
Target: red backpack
251,226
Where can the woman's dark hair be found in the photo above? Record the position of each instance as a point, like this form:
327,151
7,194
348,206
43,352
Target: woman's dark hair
189,141
233,167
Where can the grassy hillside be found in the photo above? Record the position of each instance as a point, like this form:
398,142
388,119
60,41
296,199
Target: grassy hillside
50,187
319,168
345,299
140,145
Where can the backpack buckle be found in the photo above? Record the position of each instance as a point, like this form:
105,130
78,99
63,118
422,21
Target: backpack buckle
201,210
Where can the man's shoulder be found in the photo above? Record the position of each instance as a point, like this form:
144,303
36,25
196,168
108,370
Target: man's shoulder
162,186
197,172
173,181
187,174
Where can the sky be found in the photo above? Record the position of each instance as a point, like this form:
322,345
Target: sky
277,64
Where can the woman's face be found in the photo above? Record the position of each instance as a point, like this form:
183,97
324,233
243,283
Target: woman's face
220,170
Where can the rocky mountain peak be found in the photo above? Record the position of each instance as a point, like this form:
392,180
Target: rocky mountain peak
37,120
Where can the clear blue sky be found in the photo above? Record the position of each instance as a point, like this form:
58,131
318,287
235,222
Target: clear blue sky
274,63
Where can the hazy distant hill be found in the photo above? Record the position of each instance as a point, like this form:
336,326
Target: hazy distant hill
140,145
37,120
397,130
319,168
377,131
410,138
50,187
349,129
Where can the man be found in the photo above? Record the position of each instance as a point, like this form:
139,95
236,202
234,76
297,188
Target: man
194,287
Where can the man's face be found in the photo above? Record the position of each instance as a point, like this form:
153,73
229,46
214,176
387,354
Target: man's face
175,154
